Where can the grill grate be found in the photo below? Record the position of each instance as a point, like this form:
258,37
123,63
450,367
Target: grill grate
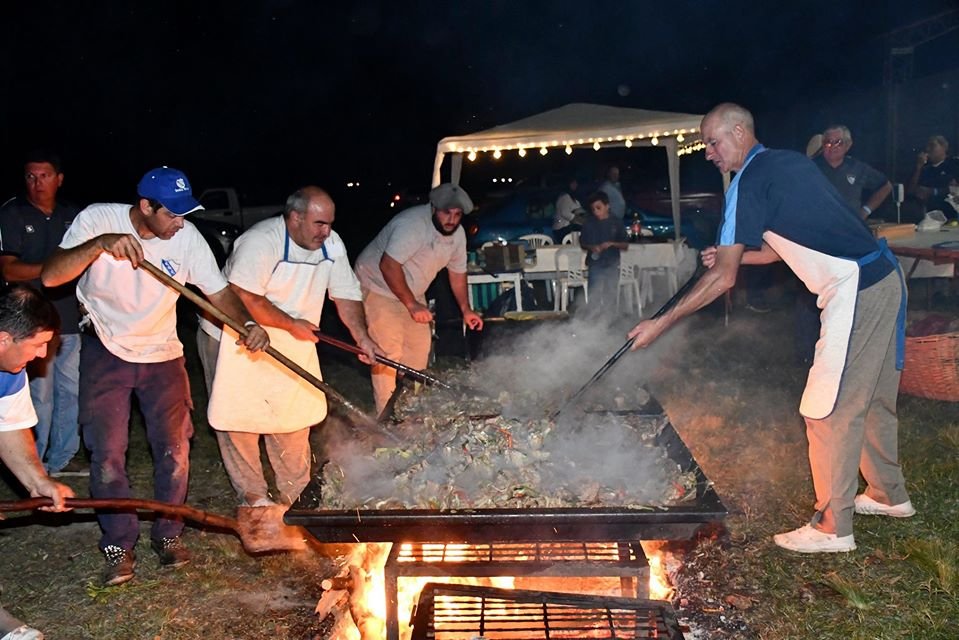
604,552
450,611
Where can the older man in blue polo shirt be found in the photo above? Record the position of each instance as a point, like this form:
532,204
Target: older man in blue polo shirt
780,207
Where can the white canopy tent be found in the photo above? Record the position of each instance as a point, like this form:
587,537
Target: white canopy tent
576,125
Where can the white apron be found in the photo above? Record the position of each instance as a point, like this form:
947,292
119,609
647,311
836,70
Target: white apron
836,281
254,393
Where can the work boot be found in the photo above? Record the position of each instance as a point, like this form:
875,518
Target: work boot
120,564
171,551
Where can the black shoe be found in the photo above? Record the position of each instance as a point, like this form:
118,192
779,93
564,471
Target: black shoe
120,564
171,551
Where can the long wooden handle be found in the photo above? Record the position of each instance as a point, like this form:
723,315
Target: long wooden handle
204,304
128,504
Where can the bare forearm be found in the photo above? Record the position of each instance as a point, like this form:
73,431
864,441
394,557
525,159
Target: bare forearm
877,198
19,453
263,311
459,285
67,264
15,270
230,304
396,280
352,314
764,255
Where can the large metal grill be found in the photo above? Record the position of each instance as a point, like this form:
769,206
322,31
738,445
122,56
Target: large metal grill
677,522
448,612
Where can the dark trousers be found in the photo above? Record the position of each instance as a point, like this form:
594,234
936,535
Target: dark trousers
163,391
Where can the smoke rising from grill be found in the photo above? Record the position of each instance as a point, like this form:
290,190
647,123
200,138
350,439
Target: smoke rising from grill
495,446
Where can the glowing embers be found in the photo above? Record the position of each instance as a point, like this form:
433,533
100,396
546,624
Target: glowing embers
445,612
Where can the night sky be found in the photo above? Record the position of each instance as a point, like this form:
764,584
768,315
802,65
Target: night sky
267,96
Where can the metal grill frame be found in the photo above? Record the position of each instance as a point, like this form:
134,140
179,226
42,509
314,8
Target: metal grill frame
678,522
623,560
652,618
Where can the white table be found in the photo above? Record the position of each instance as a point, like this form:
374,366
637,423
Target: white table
919,258
513,278
672,257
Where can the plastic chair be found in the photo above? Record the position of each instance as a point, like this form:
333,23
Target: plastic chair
628,278
571,238
534,240
570,274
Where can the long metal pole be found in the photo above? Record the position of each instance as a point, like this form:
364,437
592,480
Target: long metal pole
416,374
629,343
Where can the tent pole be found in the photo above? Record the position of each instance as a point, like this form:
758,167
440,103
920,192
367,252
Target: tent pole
437,167
457,169
672,160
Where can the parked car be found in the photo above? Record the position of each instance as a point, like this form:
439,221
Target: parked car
219,235
522,212
222,204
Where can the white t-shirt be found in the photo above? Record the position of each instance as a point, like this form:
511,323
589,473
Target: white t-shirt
411,239
133,312
16,408
267,262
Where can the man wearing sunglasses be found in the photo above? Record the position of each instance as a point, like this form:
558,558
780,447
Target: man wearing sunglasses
863,188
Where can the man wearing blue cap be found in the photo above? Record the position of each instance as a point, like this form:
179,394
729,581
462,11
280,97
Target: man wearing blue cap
130,346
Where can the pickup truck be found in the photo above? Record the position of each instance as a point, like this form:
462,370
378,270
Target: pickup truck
222,204
223,219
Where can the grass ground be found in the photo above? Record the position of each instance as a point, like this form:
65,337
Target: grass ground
731,392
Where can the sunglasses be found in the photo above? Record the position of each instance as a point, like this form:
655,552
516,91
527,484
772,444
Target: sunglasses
836,142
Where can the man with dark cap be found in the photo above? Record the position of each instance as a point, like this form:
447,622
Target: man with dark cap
395,270
130,345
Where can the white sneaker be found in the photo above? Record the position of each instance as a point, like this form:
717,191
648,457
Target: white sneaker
23,633
808,539
869,507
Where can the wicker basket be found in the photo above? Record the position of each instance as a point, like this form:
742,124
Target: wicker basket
932,367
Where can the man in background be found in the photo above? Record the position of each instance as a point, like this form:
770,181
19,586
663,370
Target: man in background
935,172
31,228
863,188
614,193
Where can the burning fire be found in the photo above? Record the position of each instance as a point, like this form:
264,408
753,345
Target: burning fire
368,594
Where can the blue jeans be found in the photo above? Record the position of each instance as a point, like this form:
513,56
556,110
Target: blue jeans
107,384
54,387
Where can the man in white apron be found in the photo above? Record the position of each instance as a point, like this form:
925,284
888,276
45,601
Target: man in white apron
780,204
282,269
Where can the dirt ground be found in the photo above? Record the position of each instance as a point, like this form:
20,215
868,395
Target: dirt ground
731,392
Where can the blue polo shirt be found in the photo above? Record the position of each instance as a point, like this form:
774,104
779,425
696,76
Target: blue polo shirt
784,192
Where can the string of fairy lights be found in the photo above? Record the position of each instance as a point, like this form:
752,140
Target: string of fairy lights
544,146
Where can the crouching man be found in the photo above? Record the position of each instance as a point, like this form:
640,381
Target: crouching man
27,324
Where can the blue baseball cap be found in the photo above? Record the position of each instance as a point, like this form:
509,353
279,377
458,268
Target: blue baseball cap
170,188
